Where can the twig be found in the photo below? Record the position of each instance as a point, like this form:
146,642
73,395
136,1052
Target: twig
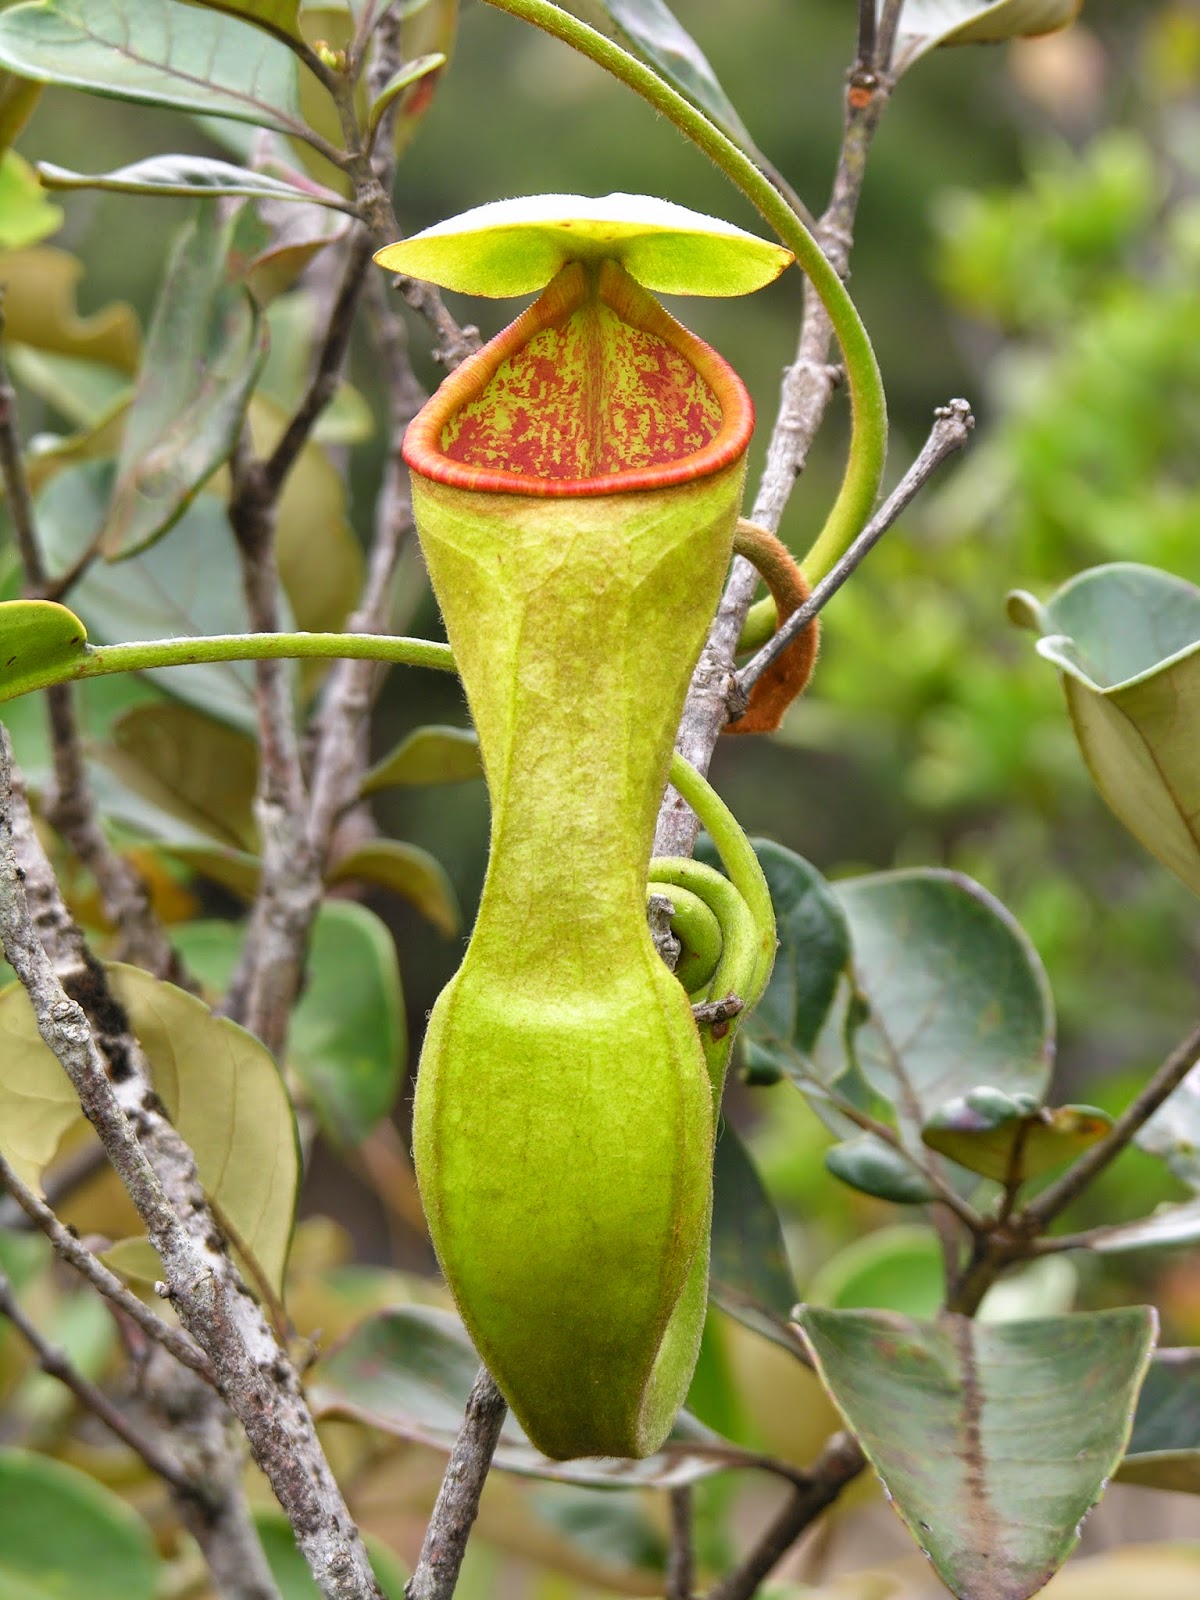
55,1361
77,1255
839,1462
951,429
885,39
457,1504
255,1375
866,36
1136,1114
681,1567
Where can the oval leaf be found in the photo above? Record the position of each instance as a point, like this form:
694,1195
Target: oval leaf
62,1533
408,871
41,642
925,24
191,176
157,51
1010,1137
871,1165
993,1441
1126,639
513,247
427,755
1164,1448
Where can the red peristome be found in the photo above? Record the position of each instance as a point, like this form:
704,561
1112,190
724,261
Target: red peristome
594,390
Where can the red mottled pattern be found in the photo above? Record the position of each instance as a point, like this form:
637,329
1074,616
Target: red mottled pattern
584,398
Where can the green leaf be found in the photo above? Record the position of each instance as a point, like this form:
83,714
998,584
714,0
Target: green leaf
156,51
26,216
18,97
191,176
955,996
189,765
1011,1137
280,17
62,1534
813,957
427,755
1164,1448
408,871
925,24
1126,639
348,1043
410,73
204,350
290,1569
749,1275
893,1269
992,1440
513,247
220,1087
1169,1225
36,637
408,1371
871,1165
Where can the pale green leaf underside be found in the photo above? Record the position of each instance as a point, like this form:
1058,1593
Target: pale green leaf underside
191,176
513,247
925,24
994,1441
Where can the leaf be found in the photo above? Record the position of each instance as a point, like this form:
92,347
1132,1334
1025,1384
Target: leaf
26,216
512,247
992,1440
892,1269
188,764
38,639
18,97
1010,1137
1168,1225
871,1165
409,1370
408,871
1126,640
411,72
813,956
749,1275
204,350
925,24
63,1534
954,993
39,309
291,1572
156,51
280,17
273,244
220,1088
348,1043
1164,1448
1173,1132
191,176
427,755
428,27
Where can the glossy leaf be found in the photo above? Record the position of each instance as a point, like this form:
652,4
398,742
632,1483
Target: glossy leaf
1030,1420
26,215
925,24
157,51
36,637
892,1269
348,1043
427,755
1012,1137
750,1276
408,1371
871,1165
220,1087
63,1534
40,309
408,871
189,176
1126,640
953,995
204,350
1164,1448
411,72
291,1572
512,247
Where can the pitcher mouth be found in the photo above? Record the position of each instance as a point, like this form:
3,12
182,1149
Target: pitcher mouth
594,390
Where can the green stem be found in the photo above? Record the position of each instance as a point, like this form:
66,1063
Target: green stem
868,439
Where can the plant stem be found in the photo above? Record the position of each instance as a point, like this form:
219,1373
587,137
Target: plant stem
868,442
681,1570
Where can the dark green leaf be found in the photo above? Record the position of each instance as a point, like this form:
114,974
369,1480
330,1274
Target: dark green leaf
993,1441
1164,1448
869,1164
749,1276
63,1535
427,755
189,175
204,350
409,1371
1010,1137
157,51
408,871
39,642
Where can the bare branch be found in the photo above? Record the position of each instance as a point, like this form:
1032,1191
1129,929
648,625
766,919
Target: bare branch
951,429
866,36
457,1504
681,1567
